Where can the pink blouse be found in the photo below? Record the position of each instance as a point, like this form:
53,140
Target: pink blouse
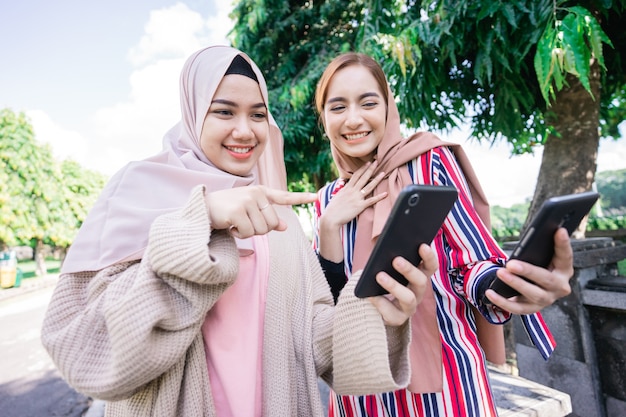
233,338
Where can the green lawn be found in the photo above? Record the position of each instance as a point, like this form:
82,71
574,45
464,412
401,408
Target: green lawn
28,267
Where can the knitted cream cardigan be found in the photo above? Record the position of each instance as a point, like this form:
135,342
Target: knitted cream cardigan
130,333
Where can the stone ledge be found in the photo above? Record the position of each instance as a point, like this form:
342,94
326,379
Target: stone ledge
606,299
516,397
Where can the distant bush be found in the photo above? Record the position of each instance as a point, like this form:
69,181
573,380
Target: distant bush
607,223
506,222
612,187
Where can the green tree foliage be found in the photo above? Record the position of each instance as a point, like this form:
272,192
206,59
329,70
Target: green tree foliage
41,200
292,41
568,46
82,187
30,180
612,187
530,72
445,57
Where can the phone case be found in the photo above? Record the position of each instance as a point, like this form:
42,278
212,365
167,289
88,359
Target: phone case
415,218
536,245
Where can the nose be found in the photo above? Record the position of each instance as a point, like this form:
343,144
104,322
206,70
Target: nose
353,117
242,129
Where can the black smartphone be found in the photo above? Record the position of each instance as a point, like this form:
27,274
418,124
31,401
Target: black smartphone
415,218
536,245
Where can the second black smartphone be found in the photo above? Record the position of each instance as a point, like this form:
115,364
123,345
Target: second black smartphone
536,245
416,217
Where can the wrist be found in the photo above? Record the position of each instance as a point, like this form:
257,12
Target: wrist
328,226
484,285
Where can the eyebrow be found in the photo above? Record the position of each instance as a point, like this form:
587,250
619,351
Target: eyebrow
233,104
361,97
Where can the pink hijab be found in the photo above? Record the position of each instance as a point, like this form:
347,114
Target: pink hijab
117,226
393,153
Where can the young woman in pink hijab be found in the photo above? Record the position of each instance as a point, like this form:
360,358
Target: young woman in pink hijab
454,329
191,289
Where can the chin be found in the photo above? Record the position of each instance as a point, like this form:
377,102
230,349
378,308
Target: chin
360,152
241,171
365,156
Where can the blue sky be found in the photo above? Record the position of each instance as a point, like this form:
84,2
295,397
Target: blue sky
72,57
99,81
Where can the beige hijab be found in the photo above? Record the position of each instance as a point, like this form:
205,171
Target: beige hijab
117,227
392,154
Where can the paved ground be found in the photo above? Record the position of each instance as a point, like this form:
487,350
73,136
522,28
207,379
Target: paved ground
30,384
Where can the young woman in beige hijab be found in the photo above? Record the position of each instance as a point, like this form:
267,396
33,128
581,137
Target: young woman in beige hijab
191,289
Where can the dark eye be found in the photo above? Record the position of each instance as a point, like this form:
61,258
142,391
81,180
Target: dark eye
337,107
222,112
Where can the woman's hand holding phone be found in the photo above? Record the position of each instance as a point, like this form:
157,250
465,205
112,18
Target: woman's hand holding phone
541,264
538,287
402,301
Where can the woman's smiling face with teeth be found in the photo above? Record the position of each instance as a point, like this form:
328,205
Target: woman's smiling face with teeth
355,112
236,127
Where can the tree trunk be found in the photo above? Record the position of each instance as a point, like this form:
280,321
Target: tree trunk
569,160
40,260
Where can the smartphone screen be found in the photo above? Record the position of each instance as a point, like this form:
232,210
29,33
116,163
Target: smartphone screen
416,217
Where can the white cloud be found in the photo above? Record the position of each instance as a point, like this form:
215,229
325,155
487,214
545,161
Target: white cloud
170,33
133,129
506,179
178,31
612,153
220,23
65,144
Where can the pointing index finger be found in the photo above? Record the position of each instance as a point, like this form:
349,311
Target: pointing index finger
289,198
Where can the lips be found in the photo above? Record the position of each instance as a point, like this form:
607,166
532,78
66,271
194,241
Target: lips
239,152
355,136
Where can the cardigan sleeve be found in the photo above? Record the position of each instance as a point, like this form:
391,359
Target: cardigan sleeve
353,350
110,332
367,356
364,346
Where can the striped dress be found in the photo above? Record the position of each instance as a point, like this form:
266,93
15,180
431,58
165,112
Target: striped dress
466,252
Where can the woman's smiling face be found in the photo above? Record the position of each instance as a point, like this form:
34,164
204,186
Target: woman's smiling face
355,112
236,126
